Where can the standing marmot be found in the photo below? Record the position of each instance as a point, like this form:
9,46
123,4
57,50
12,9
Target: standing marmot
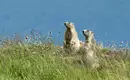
89,56
71,40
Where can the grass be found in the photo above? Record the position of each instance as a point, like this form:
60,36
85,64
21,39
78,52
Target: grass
29,61
46,62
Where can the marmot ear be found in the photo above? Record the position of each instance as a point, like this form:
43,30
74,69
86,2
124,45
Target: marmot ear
92,32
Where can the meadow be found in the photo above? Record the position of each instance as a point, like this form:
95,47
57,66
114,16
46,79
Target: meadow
26,60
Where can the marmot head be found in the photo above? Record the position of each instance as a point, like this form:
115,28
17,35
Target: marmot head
69,25
88,34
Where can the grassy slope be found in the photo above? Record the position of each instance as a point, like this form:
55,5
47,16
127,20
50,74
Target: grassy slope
40,63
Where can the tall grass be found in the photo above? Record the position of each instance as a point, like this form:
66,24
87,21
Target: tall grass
45,61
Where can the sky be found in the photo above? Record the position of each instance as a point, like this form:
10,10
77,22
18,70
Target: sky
108,19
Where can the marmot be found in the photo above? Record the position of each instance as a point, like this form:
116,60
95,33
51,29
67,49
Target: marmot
89,56
71,40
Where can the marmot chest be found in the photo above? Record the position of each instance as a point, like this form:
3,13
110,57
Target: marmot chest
68,36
